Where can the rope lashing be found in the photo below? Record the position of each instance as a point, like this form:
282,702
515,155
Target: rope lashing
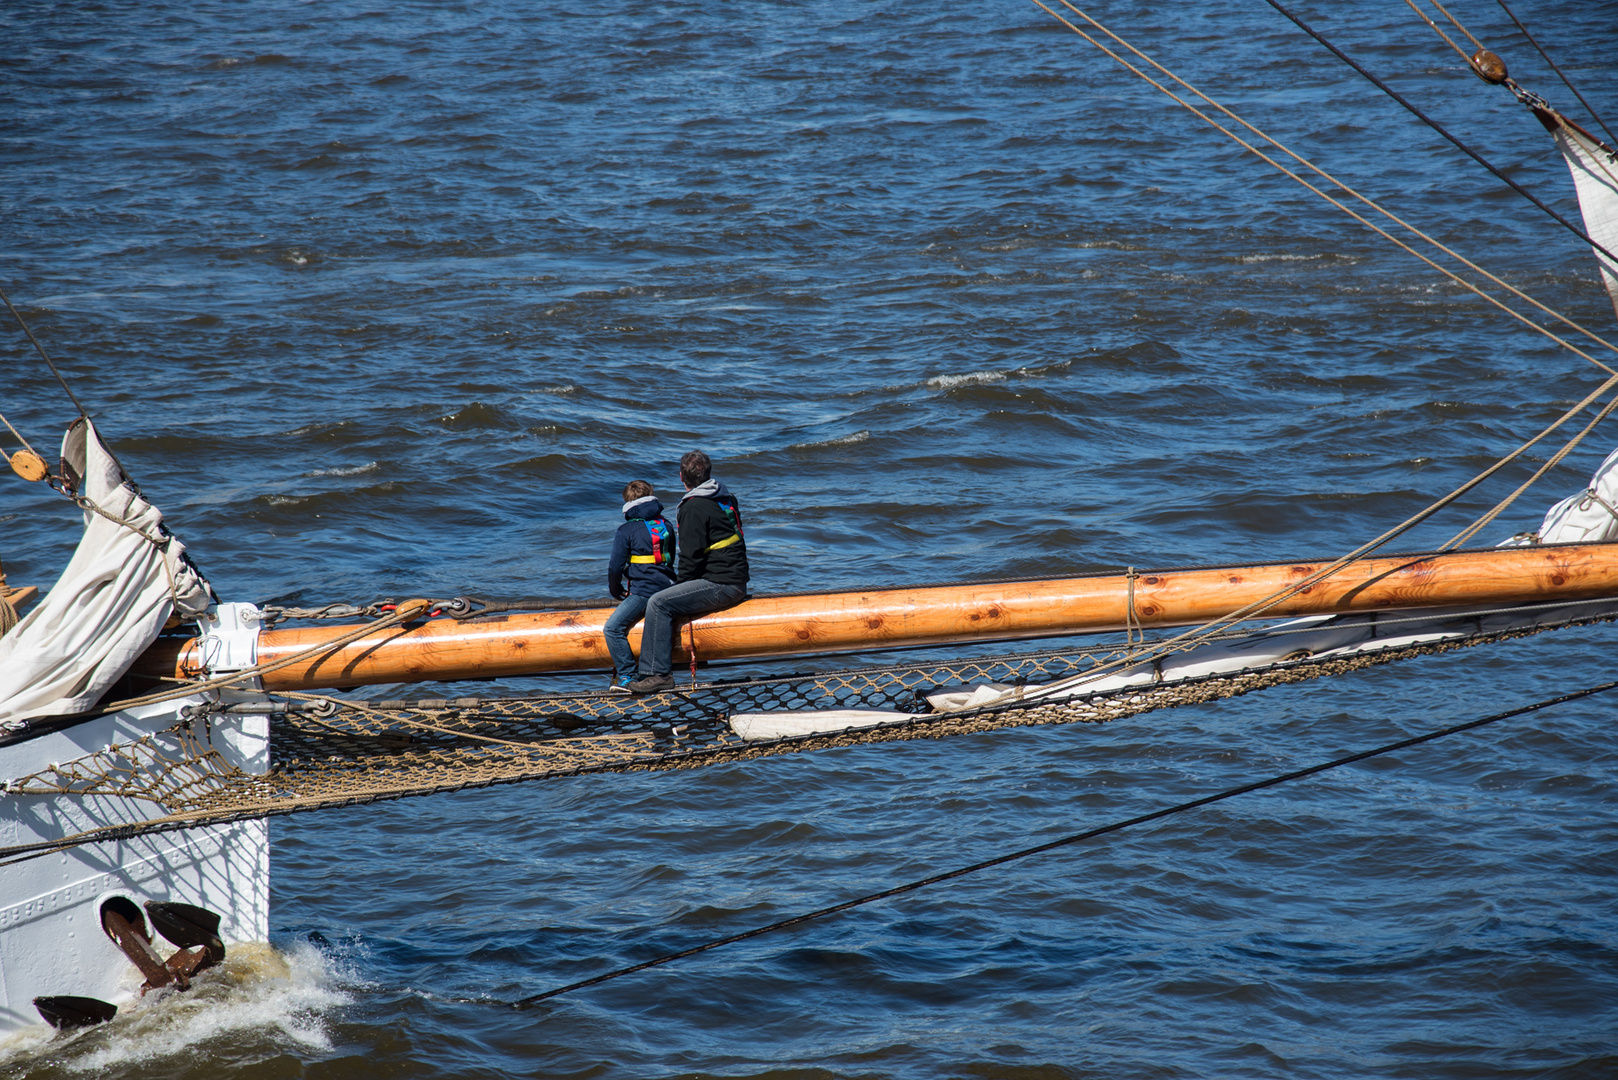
408,611
691,638
1062,842
460,608
1591,495
1132,622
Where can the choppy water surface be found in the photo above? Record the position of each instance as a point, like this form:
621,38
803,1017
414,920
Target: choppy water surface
392,300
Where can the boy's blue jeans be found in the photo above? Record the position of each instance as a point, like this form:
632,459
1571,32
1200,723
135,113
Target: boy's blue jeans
619,623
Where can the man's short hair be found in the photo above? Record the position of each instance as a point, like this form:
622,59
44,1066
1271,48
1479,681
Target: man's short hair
637,489
695,468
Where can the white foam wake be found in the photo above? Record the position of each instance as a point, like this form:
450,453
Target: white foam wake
260,995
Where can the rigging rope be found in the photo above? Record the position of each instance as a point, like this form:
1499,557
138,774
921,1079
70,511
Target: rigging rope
25,444
329,752
1467,533
1197,636
1440,30
1065,841
43,356
1565,82
1464,283
1436,126
1476,44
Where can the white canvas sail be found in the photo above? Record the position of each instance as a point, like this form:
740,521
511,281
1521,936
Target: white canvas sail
1595,178
127,576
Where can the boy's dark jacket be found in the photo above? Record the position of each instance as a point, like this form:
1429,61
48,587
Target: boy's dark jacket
710,515
634,538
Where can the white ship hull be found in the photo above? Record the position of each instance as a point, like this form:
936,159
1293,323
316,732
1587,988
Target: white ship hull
51,940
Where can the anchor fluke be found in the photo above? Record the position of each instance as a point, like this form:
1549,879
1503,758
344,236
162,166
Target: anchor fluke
195,930
64,1011
186,925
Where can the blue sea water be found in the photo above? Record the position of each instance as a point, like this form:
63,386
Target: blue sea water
384,300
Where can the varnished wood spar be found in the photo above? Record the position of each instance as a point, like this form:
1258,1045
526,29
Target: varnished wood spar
558,641
21,596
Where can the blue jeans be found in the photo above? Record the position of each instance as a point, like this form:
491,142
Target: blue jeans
619,623
687,600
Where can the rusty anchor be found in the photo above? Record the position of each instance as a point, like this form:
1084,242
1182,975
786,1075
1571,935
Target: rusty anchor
193,930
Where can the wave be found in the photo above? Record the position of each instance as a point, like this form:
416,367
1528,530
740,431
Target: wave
1318,256
972,378
355,470
989,376
478,416
841,440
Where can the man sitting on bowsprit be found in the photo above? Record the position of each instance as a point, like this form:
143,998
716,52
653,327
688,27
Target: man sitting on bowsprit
712,570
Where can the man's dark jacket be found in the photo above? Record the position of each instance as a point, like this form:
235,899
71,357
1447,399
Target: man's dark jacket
712,546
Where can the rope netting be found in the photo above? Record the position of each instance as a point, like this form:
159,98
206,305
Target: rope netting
328,752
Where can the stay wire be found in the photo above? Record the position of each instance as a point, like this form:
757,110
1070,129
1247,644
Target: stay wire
1329,178
1436,126
1066,841
1194,637
42,354
1565,81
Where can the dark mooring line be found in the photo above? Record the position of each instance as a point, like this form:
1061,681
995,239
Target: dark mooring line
1259,785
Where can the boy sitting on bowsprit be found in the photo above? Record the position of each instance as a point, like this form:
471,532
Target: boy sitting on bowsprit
642,551
712,570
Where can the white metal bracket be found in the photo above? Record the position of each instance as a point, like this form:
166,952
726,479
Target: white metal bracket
228,640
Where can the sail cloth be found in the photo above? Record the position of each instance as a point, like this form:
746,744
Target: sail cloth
1595,178
1589,517
127,576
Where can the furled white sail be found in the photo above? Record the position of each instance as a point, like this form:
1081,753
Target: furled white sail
1589,517
127,576
1595,178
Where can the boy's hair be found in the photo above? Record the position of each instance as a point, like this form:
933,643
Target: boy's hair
637,489
695,468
